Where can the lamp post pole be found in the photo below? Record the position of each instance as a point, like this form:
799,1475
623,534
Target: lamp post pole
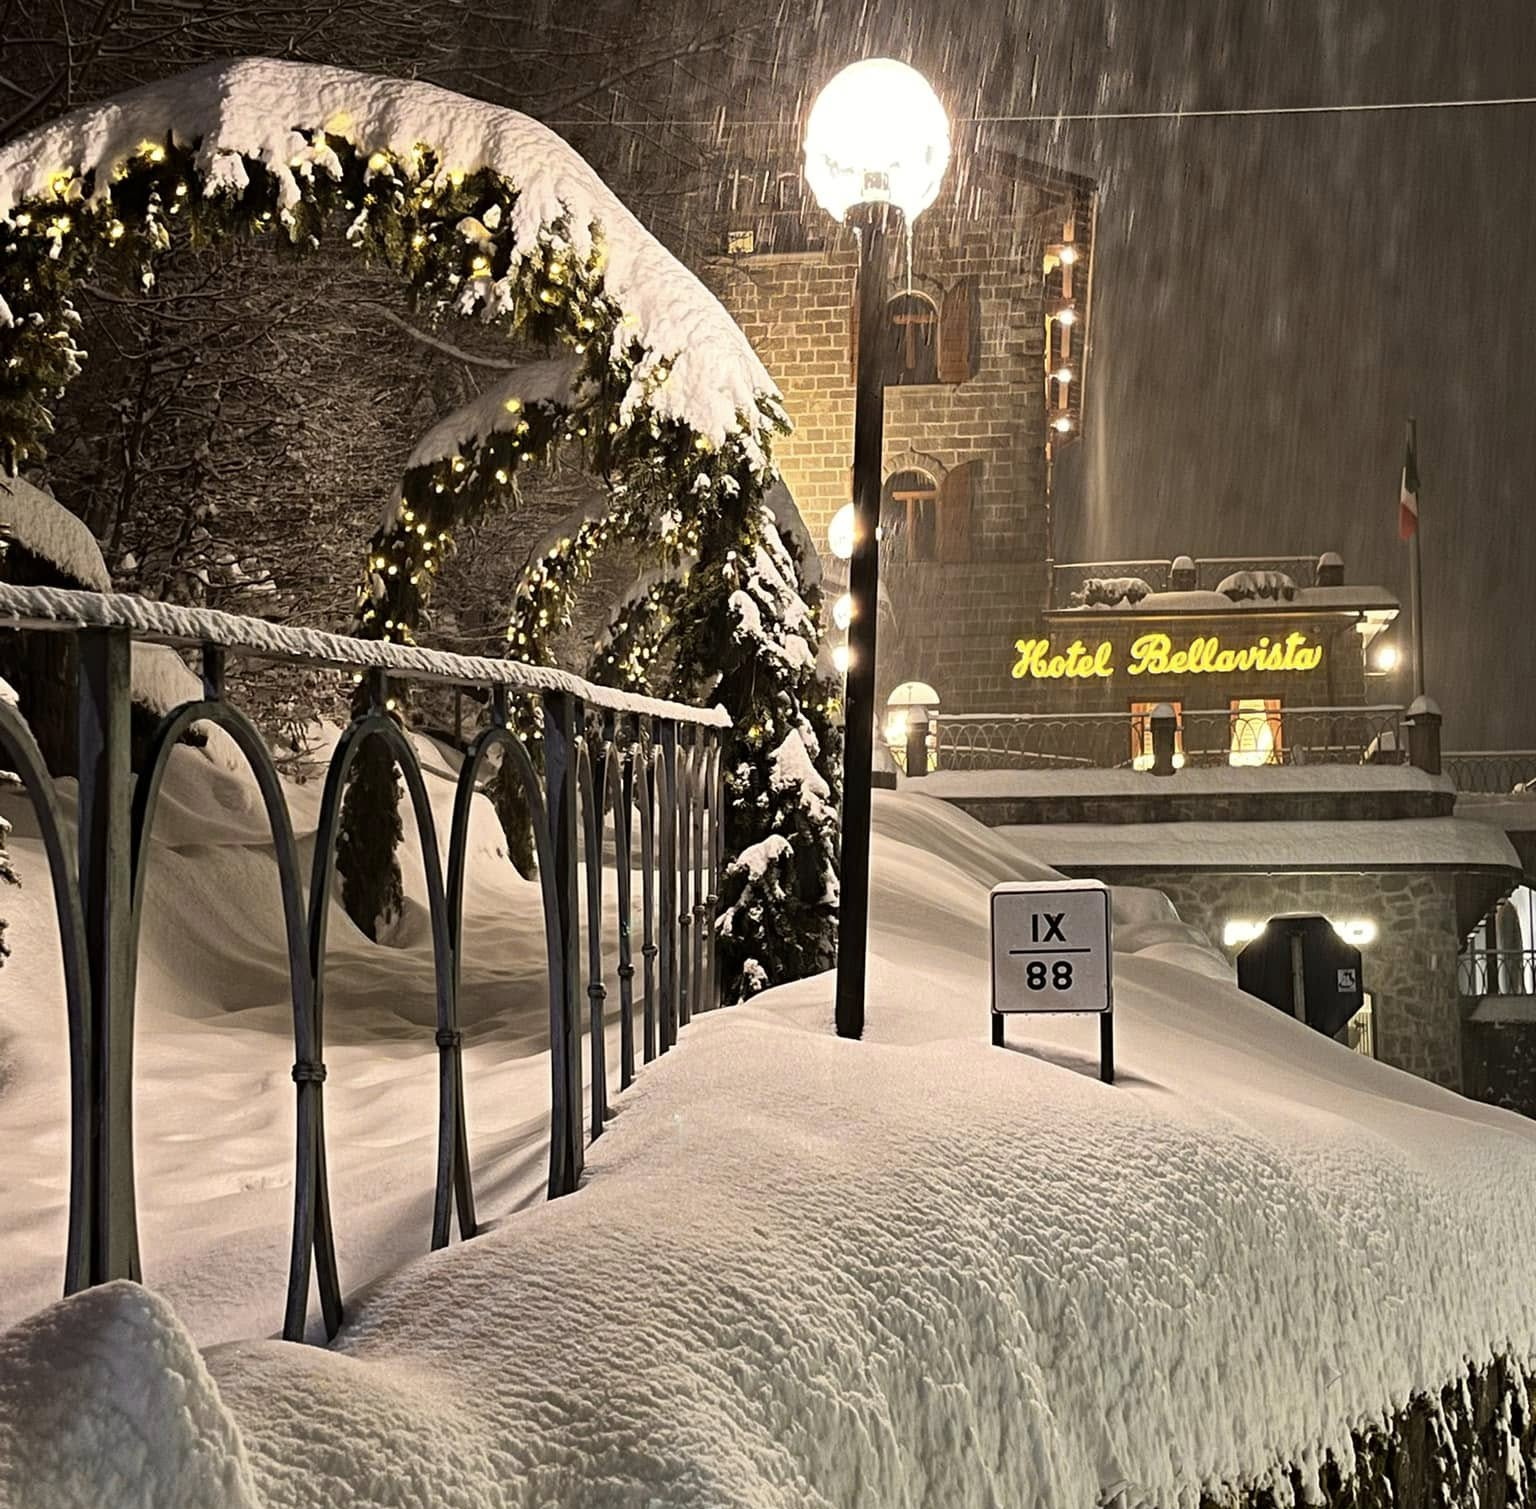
876,146
873,223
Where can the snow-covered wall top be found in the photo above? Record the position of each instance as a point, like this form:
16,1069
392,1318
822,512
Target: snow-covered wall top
42,525
269,111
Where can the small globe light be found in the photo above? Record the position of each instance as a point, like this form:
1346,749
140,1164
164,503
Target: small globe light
842,658
877,134
842,611
841,533
1386,658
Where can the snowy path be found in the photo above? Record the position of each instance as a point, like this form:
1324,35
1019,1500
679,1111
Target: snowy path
912,1270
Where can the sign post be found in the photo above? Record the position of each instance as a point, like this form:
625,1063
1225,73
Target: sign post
1052,953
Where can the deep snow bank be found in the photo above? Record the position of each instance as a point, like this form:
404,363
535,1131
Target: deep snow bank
920,1270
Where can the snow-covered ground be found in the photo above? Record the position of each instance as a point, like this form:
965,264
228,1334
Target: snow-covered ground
802,1271
214,1105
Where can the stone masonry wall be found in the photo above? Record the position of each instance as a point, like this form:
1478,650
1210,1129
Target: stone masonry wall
951,623
1410,969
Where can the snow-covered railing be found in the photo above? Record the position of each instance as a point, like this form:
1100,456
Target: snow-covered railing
1490,772
1205,736
598,754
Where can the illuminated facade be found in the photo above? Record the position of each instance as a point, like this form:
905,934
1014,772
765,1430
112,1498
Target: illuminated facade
985,350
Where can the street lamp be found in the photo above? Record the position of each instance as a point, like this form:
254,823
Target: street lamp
876,146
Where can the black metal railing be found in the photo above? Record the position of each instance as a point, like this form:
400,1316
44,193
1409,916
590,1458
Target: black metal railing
1203,737
603,755
1497,972
1490,772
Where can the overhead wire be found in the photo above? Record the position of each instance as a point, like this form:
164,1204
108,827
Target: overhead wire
1175,113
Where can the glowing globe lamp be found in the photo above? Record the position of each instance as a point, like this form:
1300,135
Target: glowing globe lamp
877,134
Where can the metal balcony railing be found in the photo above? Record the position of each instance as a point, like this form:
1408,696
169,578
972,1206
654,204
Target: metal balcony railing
1497,972
594,756
1491,772
1204,737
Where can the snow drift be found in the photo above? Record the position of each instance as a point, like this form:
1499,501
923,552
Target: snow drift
914,1269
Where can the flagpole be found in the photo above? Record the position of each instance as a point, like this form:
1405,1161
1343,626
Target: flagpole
1416,567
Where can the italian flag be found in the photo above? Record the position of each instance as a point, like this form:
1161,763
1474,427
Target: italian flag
1408,496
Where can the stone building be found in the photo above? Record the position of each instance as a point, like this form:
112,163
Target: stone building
985,365
1285,784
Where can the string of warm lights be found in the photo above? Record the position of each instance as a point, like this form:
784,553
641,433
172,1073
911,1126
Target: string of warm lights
674,492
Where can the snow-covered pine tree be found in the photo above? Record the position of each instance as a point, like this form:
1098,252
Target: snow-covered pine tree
779,892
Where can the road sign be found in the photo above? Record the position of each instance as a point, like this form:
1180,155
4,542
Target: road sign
1052,952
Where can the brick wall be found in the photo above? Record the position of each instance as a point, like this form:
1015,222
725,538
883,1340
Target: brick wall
949,623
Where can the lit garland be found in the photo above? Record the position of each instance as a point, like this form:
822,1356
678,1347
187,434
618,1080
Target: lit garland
448,235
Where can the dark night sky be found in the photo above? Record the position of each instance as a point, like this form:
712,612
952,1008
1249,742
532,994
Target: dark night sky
1274,297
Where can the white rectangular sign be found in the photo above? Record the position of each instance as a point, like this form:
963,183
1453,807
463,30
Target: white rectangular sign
1051,946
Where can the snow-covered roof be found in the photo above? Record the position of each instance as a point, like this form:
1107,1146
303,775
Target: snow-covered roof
257,108
1283,845
1191,781
1201,601
1514,812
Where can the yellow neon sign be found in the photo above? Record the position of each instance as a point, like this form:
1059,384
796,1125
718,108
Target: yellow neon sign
1155,655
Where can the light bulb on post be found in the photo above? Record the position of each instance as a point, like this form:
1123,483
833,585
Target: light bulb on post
842,658
842,611
877,134
842,532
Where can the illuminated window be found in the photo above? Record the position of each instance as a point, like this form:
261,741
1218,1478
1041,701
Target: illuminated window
1256,732
1141,734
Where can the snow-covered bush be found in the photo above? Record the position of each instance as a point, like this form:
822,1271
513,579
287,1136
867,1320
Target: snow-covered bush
1245,586
1110,591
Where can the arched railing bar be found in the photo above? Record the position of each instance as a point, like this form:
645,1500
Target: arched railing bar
716,851
698,798
378,724
622,782
683,806
513,750
21,751
306,1050
597,992
646,754
666,921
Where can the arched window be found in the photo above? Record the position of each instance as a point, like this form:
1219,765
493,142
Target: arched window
909,517
911,350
